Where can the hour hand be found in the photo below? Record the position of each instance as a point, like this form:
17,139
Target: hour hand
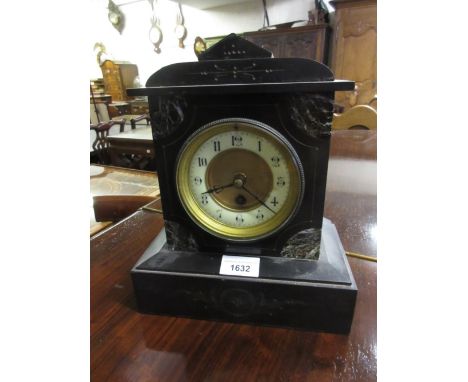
218,188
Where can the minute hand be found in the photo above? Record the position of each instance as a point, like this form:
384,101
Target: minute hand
258,199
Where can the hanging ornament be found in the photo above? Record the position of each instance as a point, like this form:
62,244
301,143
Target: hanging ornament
115,16
155,33
180,30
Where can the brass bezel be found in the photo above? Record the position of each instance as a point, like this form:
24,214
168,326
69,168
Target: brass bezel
211,225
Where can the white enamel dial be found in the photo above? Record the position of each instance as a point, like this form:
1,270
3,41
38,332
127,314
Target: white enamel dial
239,179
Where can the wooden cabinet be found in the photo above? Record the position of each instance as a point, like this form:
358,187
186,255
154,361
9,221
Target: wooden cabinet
118,77
304,42
117,109
354,49
138,107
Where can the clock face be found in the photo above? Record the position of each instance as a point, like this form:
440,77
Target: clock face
239,179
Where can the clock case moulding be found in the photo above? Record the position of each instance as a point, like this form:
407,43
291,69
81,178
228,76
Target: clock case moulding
237,79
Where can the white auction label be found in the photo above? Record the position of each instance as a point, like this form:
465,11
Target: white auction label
240,266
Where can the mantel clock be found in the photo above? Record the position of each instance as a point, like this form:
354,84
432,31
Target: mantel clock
242,144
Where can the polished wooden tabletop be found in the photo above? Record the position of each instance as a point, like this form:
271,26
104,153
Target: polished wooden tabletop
108,180
129,346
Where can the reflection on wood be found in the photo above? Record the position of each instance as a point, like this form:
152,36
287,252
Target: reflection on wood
354,144
106,180
117,207
127,345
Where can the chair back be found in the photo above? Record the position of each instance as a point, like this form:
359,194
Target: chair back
98,113
358,117
100,145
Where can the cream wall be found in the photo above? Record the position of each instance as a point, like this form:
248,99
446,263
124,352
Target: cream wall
133,44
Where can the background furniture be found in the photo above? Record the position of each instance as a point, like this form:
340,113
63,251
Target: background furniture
98,92
97,86
358,117
118,77
100,144
354,49
133,149
101,98
118,109
139,106
99,115
104,112
112,181
135,120
309,41
142,347
99,112
304,42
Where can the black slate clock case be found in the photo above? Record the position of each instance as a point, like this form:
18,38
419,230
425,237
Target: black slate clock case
266,108
237,79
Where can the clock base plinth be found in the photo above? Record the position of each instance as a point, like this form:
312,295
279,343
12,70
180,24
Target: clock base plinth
317,295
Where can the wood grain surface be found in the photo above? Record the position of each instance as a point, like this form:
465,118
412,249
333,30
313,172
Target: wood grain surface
354,50
128,346
108,180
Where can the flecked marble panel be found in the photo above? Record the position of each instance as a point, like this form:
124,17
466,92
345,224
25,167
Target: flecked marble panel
178,237
303,245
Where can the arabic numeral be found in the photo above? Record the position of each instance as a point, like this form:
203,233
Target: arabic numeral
240,268
239,219
275,161
236,140
280,181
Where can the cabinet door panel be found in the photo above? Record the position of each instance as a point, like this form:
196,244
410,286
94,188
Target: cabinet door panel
271,43
355,51
309,42
309,45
